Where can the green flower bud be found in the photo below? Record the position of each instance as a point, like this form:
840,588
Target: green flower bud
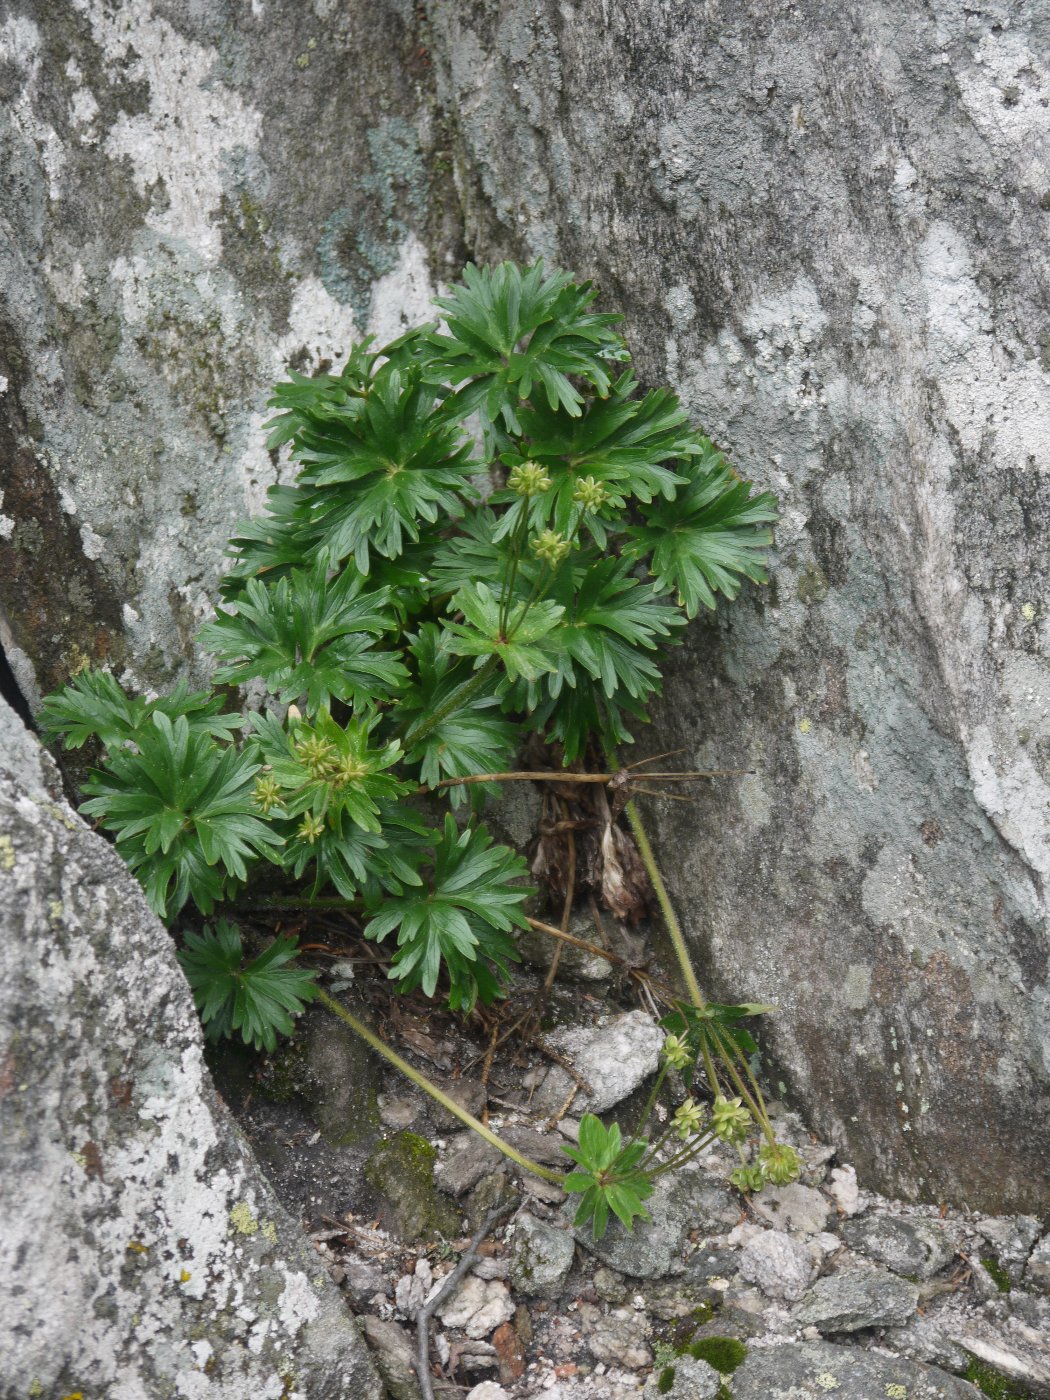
688,1119
747,1179
676,1052
730,1120
346,770
550,546
529,479
310,828
780,1163
589,493
266,795
313,753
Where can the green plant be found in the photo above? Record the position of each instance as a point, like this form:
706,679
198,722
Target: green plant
408,629
257,998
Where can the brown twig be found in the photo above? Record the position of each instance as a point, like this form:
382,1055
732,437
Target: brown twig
603,779
450,1285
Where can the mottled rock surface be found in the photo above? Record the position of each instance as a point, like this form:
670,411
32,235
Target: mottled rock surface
914,1248
613,1060
142,1252
542,1257
857,1298
819,1368
826,226
782,1267
692,1380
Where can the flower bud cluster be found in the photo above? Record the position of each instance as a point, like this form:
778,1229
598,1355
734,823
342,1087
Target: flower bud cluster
730,1121
590,494
688,1119
529,479
551,547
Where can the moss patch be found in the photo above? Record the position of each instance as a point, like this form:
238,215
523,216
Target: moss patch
996,1273
401,1171
725,1354
992,1383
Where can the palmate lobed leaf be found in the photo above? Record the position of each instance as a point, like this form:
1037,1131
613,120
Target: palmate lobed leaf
609,1179
524,645
632,447
360,862
459,919
382,468
510,332
472,738
308,636
713,536
180,805
93,704
301,398
258,998
352,778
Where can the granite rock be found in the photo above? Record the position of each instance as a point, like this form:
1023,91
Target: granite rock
816,1369
915,1248
853,1299
143,1251
781,1266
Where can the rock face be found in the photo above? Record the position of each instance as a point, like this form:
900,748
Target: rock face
784,1373
197,197
826,228
141,1250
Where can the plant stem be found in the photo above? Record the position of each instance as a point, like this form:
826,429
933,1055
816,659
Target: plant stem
683,1154
460,696
421,1081
565,776
758,1109
643,1117
674,928
521,530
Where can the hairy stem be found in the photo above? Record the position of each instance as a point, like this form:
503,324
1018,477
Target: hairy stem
421,1081
674,928
459,697
758,1109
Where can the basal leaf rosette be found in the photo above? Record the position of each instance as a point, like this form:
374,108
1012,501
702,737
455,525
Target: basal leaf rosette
181,806
460,918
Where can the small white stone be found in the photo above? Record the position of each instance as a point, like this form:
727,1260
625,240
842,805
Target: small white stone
782,1267
844,1191
488,1390
479,1306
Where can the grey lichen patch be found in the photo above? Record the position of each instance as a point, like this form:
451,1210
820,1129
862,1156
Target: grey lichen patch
159,1212
361,242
